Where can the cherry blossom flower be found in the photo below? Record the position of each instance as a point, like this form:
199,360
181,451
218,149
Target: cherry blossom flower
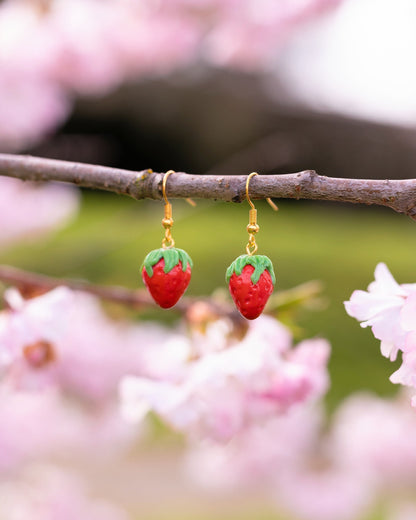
29,329
222,392
406,374
47,493
46,207
390,310
381,308
63,338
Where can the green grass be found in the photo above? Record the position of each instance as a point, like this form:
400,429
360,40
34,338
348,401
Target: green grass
336,244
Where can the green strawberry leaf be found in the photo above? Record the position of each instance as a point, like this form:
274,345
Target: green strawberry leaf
259,262
171,256
151,259
239,264
229,272
185,259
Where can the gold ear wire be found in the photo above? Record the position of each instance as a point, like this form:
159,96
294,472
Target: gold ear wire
165,178
247,185
167,221
253,227
271,203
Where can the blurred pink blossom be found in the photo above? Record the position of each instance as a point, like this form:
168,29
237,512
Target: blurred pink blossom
30,108
248,35
331,493
31,103
291,457
28,210
257,454
222,392
368,436
47,493
403,510
41,426
63,338
77,47
77,44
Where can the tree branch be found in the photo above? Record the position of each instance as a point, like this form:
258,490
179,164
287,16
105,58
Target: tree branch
399,195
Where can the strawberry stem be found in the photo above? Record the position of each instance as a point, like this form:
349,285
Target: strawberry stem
171,256
259,262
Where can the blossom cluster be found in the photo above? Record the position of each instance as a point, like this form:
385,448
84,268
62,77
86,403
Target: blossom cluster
89,47
248,402
63,359
63,339
60,362
214,393
217,394
389,309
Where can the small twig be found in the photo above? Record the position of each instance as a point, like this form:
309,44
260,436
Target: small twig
32,282
28,280
399,195
194,309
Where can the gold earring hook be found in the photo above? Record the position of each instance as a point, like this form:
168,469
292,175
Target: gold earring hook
165,179
253,227
271,203
167,221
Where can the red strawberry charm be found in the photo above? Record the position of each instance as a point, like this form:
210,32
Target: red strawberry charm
251,279
166,274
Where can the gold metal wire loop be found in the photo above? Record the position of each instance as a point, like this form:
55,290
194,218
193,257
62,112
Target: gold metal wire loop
253,227
251,247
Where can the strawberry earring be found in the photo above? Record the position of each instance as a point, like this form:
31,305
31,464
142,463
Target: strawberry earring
166,272
251,277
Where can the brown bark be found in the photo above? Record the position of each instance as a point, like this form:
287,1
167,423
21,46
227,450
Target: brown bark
399,195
